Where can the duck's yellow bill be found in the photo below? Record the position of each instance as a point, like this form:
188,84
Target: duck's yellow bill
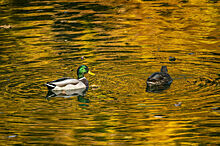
91,73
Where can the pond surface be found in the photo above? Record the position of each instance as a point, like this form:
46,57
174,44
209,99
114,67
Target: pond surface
123,42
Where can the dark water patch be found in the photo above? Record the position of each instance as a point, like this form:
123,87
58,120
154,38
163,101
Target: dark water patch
213,1
95,7
169,51
215,134
20,11
69,37
32,18
68,47
167,13
71,51
163,4
109,39
28,62
102,34
210,37
67,23
22,3
25,37
184,1
63,29
83,6
66,14
74,5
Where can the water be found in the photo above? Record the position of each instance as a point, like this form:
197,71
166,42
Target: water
123,43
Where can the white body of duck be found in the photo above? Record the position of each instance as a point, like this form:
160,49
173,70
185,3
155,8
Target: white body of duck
70,83
80,85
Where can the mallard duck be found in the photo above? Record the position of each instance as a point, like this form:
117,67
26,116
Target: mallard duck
159,80
67,83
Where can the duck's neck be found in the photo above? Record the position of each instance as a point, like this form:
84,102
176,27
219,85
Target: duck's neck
80,76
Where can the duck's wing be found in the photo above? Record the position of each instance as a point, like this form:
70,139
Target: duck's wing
64,81
160,78
155,77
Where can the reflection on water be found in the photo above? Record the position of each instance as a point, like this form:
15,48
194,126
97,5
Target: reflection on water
80,93
157,89
124,42
66,93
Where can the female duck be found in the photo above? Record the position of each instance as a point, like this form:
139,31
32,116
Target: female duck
159,81
67,83
160,78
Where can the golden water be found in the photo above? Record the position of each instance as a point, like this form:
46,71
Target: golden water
123,42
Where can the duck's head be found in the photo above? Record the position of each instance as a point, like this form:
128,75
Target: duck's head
83,69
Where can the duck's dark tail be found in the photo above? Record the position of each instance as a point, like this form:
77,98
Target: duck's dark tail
50,86
164,69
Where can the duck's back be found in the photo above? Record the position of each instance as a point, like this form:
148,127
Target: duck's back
64,81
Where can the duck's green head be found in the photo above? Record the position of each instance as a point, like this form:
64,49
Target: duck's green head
83,69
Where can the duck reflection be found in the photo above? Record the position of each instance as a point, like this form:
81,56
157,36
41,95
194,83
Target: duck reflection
156,88
66,93
80,93
159,81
